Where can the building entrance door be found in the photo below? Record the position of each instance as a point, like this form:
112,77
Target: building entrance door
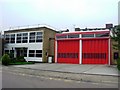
21,52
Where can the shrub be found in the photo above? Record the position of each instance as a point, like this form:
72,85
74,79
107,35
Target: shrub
13,60
118,63
6,59
20,59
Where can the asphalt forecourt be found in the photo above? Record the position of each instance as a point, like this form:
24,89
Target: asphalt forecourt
84,77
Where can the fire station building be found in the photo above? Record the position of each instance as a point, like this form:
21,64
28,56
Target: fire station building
35,43
83,47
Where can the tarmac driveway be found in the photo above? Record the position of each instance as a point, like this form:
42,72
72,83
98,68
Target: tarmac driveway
74,68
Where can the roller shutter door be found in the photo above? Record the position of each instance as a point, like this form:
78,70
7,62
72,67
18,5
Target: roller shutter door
68,51
95,51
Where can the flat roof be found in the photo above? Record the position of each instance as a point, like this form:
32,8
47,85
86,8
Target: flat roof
30,27
84,32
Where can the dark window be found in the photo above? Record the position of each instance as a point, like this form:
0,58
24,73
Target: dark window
6,51
61,37
87,35
11,53
7,37
38,53
25,52
35,37
32,34
116,55
32,37
39,37
73,36
12,38
40,40
25,34
39,33
25,38
19,37
31,41
31,53
102,35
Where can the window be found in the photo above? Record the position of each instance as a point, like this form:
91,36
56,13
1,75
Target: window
11,53
102,35
7,37
19,38
25,38
38,36
6,51
25,52
35,37
22,38
39,33
87,35
31,53
38,53
12,38
32,37
35,53
73,36
61,37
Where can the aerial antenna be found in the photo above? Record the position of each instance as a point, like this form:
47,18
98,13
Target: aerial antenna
74,27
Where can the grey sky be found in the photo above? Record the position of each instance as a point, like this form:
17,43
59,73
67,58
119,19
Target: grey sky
60,14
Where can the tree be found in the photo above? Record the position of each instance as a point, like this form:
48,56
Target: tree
116,37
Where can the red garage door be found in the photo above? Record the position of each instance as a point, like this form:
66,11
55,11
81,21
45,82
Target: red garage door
68,51
95,51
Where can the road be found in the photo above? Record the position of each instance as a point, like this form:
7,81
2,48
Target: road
17,80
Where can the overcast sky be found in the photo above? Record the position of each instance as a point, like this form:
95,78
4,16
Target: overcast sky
61,14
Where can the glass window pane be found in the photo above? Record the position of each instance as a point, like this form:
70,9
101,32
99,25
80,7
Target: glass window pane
32,34
39,33
73,36
12,35
31,55
31,51
87,35
25,34
38,51
38,55
6,51
19,34
40,40
7,36
39,37
24,41
60,37
102,35
31,41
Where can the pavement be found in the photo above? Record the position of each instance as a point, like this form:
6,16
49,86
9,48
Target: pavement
104,70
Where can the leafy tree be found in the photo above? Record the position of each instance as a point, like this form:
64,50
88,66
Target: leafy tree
116,37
